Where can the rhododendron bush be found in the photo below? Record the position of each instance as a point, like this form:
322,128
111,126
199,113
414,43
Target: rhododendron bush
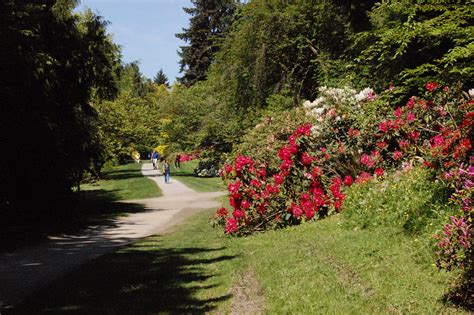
349,137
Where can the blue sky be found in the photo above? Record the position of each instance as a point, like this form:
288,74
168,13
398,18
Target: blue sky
145,29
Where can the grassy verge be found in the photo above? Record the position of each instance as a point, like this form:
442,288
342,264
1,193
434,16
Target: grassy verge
125,182
313,268
185,174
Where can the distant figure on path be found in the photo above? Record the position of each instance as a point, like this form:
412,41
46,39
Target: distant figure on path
155,156
166,171
177,161
136,157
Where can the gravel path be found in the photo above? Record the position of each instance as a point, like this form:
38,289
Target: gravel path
26,270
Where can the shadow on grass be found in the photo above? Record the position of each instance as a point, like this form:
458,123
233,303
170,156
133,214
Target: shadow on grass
98,207
122,174
140,279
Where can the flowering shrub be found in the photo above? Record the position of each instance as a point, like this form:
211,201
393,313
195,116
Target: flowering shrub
350,137
454,242
184,157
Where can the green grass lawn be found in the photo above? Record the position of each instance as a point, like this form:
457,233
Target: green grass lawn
316,268
185,174
125,182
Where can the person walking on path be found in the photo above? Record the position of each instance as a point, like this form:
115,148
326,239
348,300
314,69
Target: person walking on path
156,156
177,161
166,171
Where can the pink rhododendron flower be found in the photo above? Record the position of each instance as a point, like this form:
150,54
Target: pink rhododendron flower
353,133
371,96
297,212
379,172
414,135
437,141
309,214
255,183
245,204
316,172
222,212
292,140
430,86
385,126
397,155
397,123
228,168
285,153
278,179
306,159
234,187
348,180
304,130
411,103
238,214
337,204
403,144
242,161
382,144
285,166
398,112
231,226
367,160
411,117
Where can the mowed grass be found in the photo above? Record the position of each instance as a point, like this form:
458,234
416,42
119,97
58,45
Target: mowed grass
185,174
315,268
125,182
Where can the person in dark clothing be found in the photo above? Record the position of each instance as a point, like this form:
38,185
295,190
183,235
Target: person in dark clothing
166,171
177,161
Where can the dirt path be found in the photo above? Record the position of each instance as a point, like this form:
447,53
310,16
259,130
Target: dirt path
26,270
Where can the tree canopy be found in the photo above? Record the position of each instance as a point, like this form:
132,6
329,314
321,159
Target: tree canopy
53,62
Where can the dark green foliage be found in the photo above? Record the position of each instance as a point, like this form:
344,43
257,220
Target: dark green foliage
410,44
161,78
51,63
209,21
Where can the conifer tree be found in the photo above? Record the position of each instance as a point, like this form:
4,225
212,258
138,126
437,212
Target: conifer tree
210,19
161,78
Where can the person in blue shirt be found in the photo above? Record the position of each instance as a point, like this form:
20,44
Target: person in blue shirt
156,156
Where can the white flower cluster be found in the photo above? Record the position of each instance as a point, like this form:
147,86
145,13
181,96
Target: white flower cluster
331,100
471,93
366,94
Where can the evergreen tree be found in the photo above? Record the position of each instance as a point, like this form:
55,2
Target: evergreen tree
210,19
161,78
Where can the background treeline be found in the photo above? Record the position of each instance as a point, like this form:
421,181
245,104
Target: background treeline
69,105
272,55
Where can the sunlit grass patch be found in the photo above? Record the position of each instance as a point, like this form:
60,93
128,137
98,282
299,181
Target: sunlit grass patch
125,182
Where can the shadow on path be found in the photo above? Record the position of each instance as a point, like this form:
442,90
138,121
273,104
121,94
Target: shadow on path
139,279
89,207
